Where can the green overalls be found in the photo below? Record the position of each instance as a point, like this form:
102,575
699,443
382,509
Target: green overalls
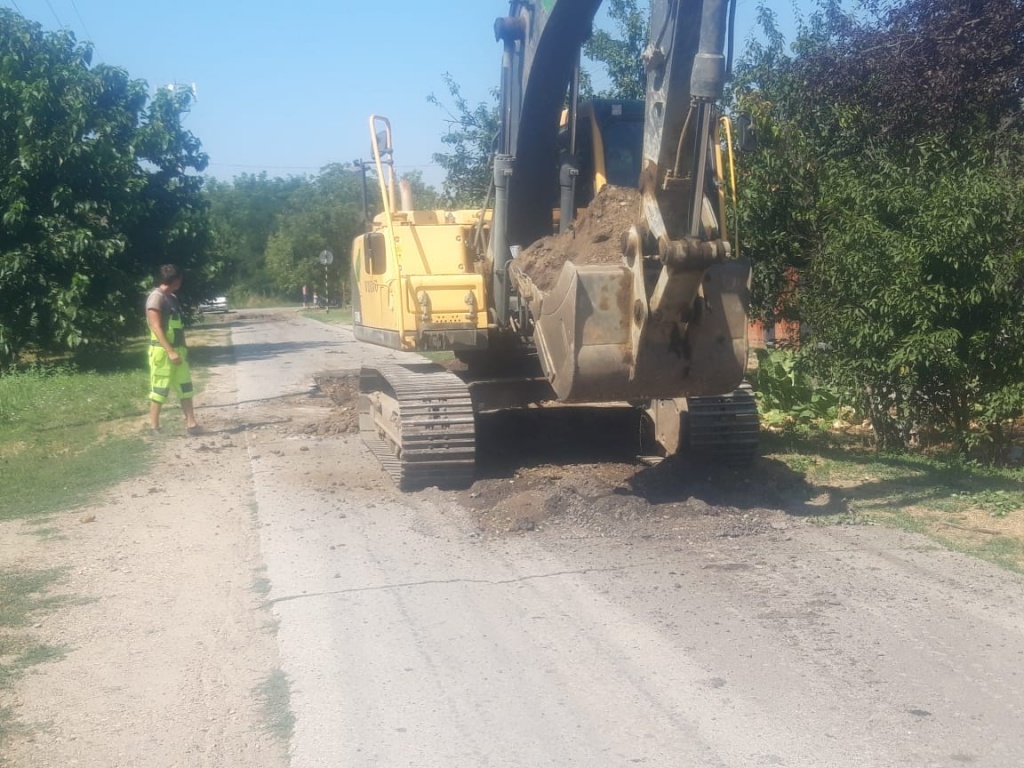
163,374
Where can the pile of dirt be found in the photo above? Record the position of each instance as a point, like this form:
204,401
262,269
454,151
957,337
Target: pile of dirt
343,391
609,500
595,238
575,472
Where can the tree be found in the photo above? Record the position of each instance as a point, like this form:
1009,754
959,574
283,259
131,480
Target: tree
779,184
622,56
245,213
471,134
902,211
325,213
271,231
472,130
95,190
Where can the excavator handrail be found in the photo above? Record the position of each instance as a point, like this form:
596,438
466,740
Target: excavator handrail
726,124
386,183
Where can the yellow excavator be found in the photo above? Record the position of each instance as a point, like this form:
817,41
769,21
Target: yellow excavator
663,329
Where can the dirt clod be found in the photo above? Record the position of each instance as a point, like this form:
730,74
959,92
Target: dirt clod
595,238
343,391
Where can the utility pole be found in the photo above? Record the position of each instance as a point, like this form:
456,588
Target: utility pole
326,258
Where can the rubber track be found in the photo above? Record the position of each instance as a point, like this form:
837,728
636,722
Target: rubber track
724,428
438,434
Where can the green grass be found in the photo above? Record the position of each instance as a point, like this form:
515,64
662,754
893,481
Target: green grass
968,507
23,595
23,598
67,432
274,695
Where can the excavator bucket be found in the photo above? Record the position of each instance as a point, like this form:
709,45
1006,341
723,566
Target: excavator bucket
583,330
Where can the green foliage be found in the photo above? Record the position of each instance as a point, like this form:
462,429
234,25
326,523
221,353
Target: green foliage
470,136
622,56
244,213
269,232
95,191
996,502
779,183
324,213
473,129
915,292
902,216
787,395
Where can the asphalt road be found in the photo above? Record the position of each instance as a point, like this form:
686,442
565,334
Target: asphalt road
413,639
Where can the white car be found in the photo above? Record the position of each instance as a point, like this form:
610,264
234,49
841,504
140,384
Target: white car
219,304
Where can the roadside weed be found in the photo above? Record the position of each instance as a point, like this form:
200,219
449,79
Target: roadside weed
274,695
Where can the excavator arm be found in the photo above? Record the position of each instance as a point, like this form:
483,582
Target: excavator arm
670,321
542,39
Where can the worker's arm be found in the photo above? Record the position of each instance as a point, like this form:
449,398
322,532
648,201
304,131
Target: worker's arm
153,318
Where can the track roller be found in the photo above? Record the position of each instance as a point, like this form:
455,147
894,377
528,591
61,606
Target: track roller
418,420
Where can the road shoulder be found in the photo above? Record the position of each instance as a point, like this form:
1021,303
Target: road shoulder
164,644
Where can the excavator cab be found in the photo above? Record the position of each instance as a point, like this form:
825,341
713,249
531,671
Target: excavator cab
609,145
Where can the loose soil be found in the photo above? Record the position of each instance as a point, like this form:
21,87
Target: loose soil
581,472
575,472
596,237
342,388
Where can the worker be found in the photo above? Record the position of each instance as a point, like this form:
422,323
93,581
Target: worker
168,355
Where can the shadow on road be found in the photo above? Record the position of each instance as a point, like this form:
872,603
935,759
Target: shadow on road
240,353
606,443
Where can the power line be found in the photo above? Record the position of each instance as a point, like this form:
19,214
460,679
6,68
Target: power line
82,22
55,16
268,167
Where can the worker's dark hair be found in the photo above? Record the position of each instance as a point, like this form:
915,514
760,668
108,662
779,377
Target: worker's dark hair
168,274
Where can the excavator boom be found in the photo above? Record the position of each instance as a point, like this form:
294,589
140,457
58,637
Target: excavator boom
670,320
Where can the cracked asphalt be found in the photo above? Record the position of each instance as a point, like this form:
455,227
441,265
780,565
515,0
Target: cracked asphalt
413,636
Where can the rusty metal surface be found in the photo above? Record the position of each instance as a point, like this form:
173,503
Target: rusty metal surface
582,333
585,335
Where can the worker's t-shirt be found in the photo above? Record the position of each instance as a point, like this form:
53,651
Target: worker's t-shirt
168,307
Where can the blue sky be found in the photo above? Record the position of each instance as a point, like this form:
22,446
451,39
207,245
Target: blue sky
287,87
